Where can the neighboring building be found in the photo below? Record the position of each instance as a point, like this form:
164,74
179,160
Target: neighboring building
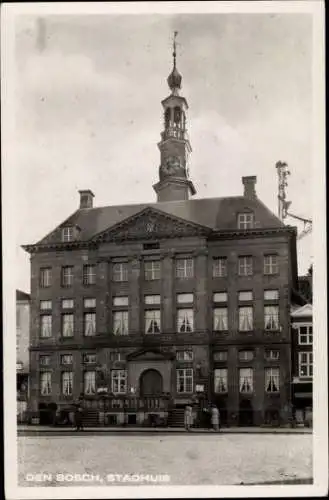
22,351
305,287
302,361
140,309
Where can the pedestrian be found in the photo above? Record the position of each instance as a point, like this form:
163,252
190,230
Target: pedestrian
215,418
188,417
78,419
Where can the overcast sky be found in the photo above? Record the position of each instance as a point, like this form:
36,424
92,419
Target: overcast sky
88,111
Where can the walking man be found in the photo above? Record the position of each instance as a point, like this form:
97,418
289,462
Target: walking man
78,419
215,418
188,417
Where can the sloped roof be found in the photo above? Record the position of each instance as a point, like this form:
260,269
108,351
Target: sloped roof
302,312
212,213
22,295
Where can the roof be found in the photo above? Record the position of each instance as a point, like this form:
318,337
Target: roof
22,295
305,311
211,213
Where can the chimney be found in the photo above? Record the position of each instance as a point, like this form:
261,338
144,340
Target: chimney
86,198
249,186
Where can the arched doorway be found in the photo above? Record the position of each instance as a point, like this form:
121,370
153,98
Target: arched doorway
246,417
150,383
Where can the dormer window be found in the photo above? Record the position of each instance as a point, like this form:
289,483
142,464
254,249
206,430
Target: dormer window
246,220
67,233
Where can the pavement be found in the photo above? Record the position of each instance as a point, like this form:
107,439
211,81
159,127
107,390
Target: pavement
34,430
208,458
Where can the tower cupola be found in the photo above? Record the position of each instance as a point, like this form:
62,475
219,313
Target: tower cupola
174,183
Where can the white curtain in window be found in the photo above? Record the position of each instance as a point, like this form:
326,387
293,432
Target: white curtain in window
152,321
272,380
185,380
46,326
245,319
246,380
90,382
271,314
67,383
185,320
121,323
220,380
220,319
90,324
68,324
45,381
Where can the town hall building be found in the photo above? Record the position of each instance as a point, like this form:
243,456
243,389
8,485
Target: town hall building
138,310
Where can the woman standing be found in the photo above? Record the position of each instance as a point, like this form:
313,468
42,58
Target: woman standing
188,417
215,418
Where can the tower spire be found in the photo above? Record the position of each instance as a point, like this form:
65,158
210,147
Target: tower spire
174,47
174,79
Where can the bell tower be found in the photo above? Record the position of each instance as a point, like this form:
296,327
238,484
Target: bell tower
174,183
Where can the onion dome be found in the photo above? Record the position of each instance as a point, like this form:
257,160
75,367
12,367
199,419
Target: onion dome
174,79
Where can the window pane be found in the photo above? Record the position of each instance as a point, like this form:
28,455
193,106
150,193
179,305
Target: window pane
271,265
89,275
246,355
271,294
184,378
219,268
246,220
67,383
44,360
184,355
152,299
89,358
89,303
153,321
89,324
45,277
119,381
184,268
120,323
245,266
246,380
90,382
45,304
272,355
67,276
272,380
184,298
220,319
120,271
220,356
220,297
152,270
66,359
245,296
67,233
67,303
185,320
46,325
220,380
245,319
120,301
67,325
45,383
271,317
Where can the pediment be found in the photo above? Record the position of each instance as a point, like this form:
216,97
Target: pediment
151,224
149,355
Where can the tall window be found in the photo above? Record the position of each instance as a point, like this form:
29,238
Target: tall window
272,379
120,271
120,322
245,266
89,275
67,325
67,383
45,277
246,220
271,264
89,382
153,321
45,325
220,319
67,276
45,383
184,380
89,324
305,334
245,319
185,320
220,380
184,268
271,317
67,233
152,270
305,364
119,381
219,267
246,380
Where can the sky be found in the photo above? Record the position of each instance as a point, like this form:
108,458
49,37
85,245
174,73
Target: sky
88,115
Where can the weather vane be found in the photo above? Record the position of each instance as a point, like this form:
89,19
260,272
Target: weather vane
174,47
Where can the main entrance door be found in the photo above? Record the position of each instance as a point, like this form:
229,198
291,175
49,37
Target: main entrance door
150,383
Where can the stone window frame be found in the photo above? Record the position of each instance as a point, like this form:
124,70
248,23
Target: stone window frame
89,274
67,276
219,267
245,265
45,277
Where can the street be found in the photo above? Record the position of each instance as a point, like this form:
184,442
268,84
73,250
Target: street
222,459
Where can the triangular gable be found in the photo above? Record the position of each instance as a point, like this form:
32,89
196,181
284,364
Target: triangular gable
303,312
151,223
149,354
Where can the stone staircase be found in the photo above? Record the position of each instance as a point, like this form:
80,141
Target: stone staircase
176,417
90,417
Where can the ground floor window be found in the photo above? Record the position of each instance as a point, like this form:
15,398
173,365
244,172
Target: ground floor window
45,383
185,380
90,383
119,381
67,383
246,380
305,362
220,380
272,379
